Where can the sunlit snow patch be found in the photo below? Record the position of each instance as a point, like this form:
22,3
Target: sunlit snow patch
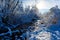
43,35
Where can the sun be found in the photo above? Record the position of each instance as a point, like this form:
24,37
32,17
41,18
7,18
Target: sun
42,5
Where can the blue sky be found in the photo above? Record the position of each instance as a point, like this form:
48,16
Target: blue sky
42,4
50,3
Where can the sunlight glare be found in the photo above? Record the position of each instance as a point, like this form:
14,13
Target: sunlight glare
42,5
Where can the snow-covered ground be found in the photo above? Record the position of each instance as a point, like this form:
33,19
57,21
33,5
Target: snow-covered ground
43,33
